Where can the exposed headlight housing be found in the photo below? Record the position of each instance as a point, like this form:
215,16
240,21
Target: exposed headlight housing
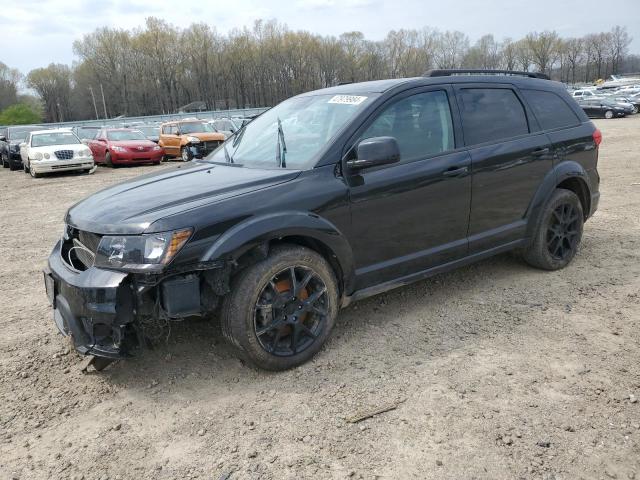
140,253
193,139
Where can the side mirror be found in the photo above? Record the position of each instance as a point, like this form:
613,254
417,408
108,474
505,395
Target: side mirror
373,152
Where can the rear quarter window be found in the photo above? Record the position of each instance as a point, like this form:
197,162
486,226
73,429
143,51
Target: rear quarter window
550,109
491,114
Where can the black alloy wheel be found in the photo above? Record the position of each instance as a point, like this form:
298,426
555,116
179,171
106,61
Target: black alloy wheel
291,311
563,231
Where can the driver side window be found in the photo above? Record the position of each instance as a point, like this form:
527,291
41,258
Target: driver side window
421,124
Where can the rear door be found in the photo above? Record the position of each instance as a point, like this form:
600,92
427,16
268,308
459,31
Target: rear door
510,156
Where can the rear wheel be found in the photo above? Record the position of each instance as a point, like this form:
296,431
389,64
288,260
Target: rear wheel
281,310
608,114
558,233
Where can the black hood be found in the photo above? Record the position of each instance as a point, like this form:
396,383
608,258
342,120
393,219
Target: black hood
133,206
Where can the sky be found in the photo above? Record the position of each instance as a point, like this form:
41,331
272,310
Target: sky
34,33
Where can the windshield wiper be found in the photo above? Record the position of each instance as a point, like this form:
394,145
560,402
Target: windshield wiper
227,157
281,148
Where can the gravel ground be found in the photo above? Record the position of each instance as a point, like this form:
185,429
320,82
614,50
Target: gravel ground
499,371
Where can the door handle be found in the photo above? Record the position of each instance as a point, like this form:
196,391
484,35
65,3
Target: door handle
538,152
455,171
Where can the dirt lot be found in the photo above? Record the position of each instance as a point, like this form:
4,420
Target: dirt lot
502,371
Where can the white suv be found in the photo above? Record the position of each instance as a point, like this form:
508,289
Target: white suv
46,151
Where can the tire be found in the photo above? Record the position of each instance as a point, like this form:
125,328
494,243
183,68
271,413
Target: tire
107,160
261,335
5,164
608,114
13,167
33,173
185,154
558,232
25,168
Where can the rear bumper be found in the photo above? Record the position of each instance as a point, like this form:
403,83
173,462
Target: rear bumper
95,308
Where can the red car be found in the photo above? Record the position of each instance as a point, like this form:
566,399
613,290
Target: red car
124,146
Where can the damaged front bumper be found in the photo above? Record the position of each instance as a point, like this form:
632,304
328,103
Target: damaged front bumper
95,307
108,313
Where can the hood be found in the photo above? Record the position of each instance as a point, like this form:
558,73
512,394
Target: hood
133,206
132,143
52,148
206,137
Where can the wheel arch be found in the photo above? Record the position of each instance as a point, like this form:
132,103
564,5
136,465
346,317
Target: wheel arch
569,175
301,228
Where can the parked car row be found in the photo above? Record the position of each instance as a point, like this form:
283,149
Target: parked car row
610,102
37,149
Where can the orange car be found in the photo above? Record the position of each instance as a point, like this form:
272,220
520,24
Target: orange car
188,139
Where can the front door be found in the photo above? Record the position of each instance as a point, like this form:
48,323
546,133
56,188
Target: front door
413,215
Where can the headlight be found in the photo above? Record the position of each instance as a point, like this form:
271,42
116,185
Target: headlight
157,147
37,156
193,139
47,155
116,148
85,152
147,252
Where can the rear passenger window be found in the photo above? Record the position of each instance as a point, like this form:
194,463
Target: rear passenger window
490,114
550,110
420,123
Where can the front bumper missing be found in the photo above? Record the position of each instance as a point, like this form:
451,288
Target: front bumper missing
112,314
94,307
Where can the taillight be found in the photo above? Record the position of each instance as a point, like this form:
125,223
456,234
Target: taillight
597,137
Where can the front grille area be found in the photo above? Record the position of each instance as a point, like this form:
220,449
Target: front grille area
139,149
64,154
79,248
207,147
56,167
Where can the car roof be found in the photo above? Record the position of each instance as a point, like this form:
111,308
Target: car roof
381,86
52,130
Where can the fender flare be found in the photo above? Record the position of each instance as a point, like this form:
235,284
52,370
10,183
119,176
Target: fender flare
561,172
257,230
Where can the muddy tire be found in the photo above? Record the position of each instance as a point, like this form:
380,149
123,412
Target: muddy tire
281,310
558,232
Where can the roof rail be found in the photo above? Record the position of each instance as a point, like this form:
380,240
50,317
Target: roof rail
466,71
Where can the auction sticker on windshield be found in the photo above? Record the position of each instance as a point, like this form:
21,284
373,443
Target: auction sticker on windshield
347,99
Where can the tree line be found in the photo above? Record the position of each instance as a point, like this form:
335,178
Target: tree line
161,68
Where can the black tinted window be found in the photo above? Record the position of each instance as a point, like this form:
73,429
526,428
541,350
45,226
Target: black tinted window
491,114
420,123
550,110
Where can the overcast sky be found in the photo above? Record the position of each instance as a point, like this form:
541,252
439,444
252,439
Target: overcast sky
34,33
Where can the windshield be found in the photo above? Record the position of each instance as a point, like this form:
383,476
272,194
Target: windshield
20,135
291,134
88,133
150,130
54,138
120,135
195,127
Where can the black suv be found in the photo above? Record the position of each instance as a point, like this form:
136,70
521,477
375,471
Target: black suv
327,198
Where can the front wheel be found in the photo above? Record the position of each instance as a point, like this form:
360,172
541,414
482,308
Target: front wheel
608,114
33,173
281,310
558,233
185,154
107,160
